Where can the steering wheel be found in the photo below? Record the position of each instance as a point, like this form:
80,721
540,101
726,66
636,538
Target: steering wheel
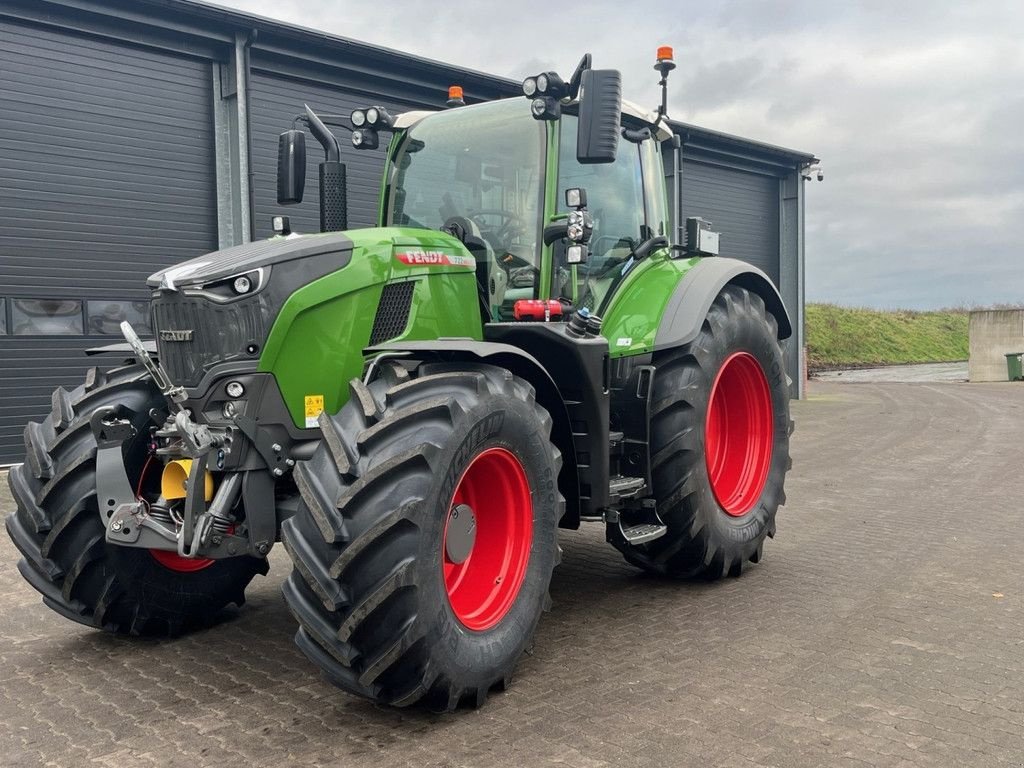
519,272
501,232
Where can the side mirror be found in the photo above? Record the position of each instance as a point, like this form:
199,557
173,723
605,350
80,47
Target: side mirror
597,139
291,167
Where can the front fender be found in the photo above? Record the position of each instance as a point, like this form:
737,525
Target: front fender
525,366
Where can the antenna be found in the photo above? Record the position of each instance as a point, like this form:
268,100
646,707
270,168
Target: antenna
664,65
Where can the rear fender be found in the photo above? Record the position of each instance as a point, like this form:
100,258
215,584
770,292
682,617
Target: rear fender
685,312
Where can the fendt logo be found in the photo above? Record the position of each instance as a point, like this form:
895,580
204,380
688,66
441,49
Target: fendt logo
185,335
435,259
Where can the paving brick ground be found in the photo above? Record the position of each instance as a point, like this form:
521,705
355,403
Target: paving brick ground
885,627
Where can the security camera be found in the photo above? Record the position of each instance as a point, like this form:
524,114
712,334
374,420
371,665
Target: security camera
816,170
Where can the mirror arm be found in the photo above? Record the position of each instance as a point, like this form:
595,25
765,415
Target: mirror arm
643,250
555,231
332,149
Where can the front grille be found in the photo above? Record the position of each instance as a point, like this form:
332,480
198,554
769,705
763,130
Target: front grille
392,312
220,332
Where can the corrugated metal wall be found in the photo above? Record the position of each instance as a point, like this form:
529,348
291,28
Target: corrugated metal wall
108,172
106,175
275,101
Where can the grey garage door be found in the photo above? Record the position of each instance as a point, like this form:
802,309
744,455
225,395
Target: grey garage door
106,175
275,100
742,206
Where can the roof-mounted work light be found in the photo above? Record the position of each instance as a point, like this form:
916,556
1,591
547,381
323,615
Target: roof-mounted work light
365,138
374,118
546,92
545,84
367,122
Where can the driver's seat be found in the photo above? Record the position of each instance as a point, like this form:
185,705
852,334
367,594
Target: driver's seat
490,277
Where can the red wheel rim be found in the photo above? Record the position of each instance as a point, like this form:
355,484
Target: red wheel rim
176,562
738,434
483,587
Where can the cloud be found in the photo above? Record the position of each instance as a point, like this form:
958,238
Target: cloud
914,107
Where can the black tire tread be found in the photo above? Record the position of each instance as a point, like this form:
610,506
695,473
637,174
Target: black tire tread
56,526
369,644
690,550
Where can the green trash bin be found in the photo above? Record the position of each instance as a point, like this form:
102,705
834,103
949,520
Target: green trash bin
1013,366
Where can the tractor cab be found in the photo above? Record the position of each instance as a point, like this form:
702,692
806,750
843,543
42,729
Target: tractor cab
497,178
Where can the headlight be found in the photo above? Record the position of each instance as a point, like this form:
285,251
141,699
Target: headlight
358,118
242,284
234,389
529,86
372,115
542,83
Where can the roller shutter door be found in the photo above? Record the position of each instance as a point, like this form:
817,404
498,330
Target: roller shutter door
106,175
742,206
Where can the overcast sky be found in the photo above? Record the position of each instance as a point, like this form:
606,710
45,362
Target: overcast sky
913,106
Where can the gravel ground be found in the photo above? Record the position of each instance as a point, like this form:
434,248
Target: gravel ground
884,627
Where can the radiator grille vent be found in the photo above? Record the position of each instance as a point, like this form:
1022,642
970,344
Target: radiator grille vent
219,332
393,311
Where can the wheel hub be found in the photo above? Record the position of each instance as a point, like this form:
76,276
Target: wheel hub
461,534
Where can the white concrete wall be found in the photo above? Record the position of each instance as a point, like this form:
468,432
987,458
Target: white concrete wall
994,333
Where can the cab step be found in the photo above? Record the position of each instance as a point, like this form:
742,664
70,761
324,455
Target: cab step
642,532
625,487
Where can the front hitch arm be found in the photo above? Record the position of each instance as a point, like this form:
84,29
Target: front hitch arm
176,394
113,489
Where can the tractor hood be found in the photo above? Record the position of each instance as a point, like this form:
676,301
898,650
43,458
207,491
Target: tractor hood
249,257
308,298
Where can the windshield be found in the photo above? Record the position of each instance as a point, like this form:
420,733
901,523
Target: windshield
484,163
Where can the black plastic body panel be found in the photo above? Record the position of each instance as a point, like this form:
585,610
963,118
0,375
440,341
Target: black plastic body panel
579,368
525,365
632,384
262,402
689,305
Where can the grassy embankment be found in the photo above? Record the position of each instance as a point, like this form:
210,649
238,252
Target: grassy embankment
847,337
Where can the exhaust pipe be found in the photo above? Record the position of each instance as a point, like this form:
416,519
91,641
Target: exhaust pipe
333,184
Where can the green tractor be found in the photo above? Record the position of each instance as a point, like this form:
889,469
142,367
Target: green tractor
414,409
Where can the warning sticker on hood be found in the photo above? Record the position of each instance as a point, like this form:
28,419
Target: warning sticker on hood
314,407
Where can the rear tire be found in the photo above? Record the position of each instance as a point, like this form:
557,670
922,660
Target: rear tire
720,431
390,605
58,530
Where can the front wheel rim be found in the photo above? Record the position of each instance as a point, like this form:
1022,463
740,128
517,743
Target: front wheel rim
483,584
739,434
175,562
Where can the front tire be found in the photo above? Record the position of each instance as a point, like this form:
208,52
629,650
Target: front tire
398,598
58,530
720,431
